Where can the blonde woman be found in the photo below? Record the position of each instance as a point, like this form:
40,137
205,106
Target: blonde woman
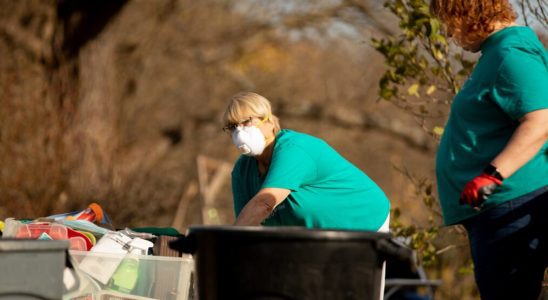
492,162
287,178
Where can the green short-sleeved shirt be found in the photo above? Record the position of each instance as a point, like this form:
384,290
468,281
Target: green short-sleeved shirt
509,81
327,191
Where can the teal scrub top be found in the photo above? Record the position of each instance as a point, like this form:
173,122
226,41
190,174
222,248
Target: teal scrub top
327,191
509,81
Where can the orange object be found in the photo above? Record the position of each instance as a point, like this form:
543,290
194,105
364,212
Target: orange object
93,213
99,215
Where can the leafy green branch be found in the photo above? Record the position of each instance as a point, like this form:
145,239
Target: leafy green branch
420,238
420,60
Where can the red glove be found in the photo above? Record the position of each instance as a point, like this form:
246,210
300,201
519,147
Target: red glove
477,190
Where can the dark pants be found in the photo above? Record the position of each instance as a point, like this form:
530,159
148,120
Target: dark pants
509,247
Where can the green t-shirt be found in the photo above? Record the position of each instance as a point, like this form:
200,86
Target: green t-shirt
327,191
509,81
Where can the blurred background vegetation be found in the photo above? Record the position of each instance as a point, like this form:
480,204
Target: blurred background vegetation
119,102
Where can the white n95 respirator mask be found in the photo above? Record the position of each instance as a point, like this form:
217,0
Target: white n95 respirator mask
249,140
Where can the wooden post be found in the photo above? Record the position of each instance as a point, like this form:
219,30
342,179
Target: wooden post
210,188
180,214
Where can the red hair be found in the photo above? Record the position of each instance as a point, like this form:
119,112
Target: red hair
475,18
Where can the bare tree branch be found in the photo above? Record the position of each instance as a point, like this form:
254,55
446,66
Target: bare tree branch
536,9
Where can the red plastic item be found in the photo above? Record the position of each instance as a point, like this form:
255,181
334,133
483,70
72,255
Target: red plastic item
78,243
77,240
35,230
76,235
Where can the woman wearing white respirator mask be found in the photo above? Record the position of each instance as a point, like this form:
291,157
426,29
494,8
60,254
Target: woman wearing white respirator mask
287,178
248,138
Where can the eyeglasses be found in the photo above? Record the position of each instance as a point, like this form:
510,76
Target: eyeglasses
229,128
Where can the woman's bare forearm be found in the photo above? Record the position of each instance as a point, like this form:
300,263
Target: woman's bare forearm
255,211
525,143
261,206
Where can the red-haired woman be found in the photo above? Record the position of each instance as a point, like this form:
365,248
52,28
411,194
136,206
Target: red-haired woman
492,162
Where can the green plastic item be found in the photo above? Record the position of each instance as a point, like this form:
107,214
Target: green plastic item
126,275
169,231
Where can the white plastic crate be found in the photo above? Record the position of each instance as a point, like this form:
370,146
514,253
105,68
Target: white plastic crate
160,277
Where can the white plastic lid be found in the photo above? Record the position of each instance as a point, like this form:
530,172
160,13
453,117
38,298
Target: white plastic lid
140,246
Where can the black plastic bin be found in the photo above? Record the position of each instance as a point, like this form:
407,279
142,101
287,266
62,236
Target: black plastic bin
32,269
287,262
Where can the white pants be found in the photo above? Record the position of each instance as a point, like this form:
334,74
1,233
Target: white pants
384,228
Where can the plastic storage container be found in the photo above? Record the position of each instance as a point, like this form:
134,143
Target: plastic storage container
32,269
47,231
287,262
159,277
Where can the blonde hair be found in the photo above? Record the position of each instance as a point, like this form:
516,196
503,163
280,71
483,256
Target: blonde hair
476,18
248,104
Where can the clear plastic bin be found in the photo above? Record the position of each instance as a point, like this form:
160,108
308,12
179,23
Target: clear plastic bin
160,277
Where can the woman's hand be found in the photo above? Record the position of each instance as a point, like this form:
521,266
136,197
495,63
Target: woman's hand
261,206
478,190
525,143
